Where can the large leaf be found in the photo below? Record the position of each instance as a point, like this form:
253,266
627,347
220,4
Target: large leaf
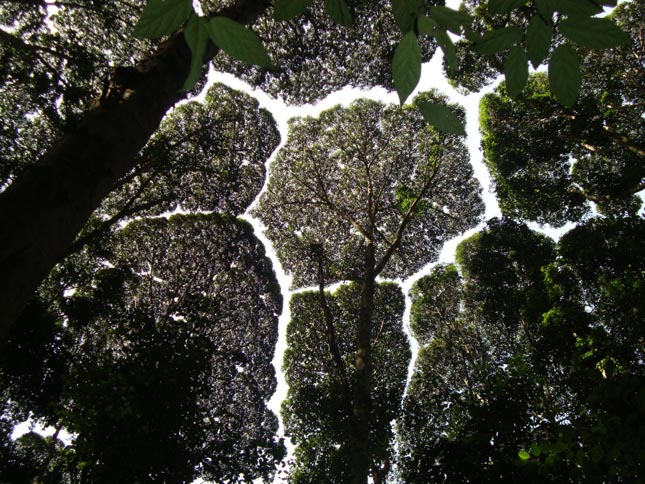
450,19
498,40
238,41
578,8
427,26
546,7
339,12
162,17
288,9
594,33
538,40
406,66
196,35
564,75
441,117
405,13
504,6
516,71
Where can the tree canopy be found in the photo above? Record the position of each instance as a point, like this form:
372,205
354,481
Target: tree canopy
150,337
523,379
317,409
368,172
550,162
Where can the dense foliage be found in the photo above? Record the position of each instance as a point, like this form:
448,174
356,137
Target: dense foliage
548,162
316,412
368,172
535,371
151,339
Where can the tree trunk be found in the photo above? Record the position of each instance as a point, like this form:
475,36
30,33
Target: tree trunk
43,210
362,404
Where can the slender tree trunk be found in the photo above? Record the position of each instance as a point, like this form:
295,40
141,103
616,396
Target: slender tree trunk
362,404
43,210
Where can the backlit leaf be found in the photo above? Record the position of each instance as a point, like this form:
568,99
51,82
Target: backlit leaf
405,12
406,66
441,117
504,6
450,19
238,41
498,40
516,71
339,12
564,75
594,33
288,9
427,26
578,8
162,17
524,455
196,35
538,40
546,7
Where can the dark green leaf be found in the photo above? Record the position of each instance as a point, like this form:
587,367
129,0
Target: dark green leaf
406,66
594,33
405,12
524,455
536,450
504,6
441,117
238,41
162,17
427,26
339,12
196,35
538,40
448,48
578,8
564,75
498,40
450,19
288,9
546,7
516,71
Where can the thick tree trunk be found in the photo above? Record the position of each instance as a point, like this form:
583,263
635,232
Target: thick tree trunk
362,403
42,211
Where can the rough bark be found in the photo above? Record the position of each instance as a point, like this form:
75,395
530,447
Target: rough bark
43,210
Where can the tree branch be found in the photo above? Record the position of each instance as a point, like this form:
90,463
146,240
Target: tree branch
394,245
332,342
